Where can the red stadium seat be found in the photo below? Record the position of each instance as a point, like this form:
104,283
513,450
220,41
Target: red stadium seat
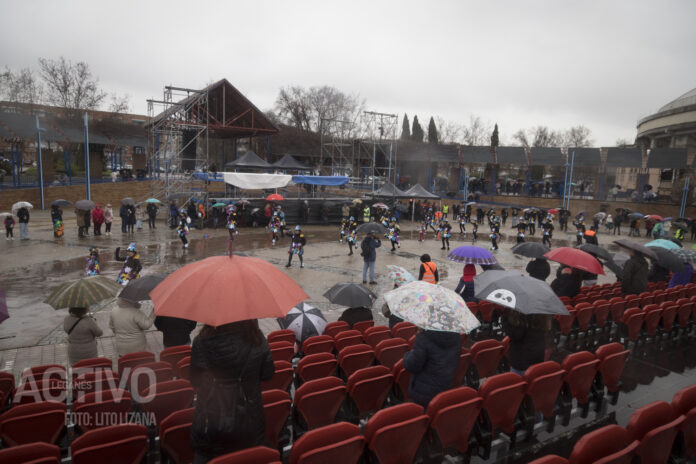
376,334
130,360
316,366
653,314
655,426
646,298
282,377
684,314
487,311
175,436
7,386
684,403
146,374
276,408
600,311
98,380
581,369
90,365
502,396
282,351
362,326
402,379
35,389
669,315
352,358
26,423
404,330
394,434
255,455
544,383
38,453
317,402
617,306
45,372
368,389
565,323
174,354
126,443
347,338
606,445
612,359
92,409
550,459
632,301
583,315
318,344
333,328
389,352
339,443
632,322
283,335
182,368
486,356
465,360
453,414
162,399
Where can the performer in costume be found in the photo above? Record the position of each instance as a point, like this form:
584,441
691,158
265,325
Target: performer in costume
297,243
462,224
521,227
351,238
274,227
92,267
342,230
548,232
474,232
423,230
183,228
393,234
283,225
579,230
495,233
445,233
232,222
131,264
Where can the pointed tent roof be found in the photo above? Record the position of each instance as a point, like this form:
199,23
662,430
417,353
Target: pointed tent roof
417,191
289,162
389,190
248,160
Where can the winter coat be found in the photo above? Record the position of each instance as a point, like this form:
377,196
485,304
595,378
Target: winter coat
635,275
123,213
567,285
152,209
131,214
371,245
657,273
131,267
539,269
217,362
98,216
82,341
353,315
432,361
80,217
23,215
683,277
108,215
527,342
175,331
129,324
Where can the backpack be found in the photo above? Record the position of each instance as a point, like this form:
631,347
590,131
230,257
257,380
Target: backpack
365,248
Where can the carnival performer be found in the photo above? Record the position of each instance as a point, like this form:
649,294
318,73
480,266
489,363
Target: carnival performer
393,235
445,233
521,227
92,267
547,227
495,233
131,264
58,229
580,230
423,230
474,232
183,228
297,243
351,238
462,224
274,227
342,230
232,222
283,224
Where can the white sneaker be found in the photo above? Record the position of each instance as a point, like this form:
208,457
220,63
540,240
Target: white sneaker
186,245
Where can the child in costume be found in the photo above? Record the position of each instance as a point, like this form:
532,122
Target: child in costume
495,233
351,238
297,243
579,232
9,227
92,267
58,229
462,224
131,264
393,235
183,228
232,222
423,230
445,233
282,225
274,226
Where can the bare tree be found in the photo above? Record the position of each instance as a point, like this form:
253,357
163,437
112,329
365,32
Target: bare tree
540,136
449,131
476,132
119,103
70,85
20,86
578,136
623,143
305,108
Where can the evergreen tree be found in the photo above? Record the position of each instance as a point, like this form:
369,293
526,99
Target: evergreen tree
432,131
405,129
417,133
494,137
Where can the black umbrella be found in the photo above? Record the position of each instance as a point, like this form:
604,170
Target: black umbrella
139,289
635,246
531,249
595,250
519,292
351,295
620,258
61,202
371,227
85,205
680,225
668,260
635,216
402,208
676,240
615,268
128,201
305,320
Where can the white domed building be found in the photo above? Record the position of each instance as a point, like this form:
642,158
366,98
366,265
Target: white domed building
672,126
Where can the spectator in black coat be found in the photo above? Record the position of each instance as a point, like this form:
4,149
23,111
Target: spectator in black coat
433,362
358,314
527,339
539,269
123,214
657,273
228,364
175,331
568,283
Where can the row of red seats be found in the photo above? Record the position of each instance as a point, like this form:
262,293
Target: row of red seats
653,320
653,433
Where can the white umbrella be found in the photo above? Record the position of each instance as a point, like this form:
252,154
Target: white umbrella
21,204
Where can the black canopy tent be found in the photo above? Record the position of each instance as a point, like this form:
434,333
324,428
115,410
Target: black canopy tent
417,191
289,162
249,160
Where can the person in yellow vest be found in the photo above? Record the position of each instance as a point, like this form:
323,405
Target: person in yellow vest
445,210
366,214
428,270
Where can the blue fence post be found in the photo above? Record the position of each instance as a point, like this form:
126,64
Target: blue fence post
87,185
40,160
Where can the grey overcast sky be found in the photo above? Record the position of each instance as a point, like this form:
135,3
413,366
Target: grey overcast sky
520,63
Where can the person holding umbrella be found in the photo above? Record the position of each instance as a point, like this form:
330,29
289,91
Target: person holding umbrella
152,210
297,244
466,287
130,217
368,248
23,219
635,274
123,214
568,283
82,330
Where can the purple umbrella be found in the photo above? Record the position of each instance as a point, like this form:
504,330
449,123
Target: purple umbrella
470,254
4,314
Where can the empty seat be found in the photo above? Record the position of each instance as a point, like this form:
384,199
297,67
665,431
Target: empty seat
162,399
583,315
632,322
336,443
98,380
36,389
333,328
404,330
347,338
580,370
612,359
315,366
655,426
90,365
453,414
610,444
284,335
255,455
146,374
282,351
669,315
183,367
600,311
502,396
544,383
463,366
389,352
632,301
45,372
486,356
402,379
7,386
126,443
102,408
317,402
684,314
646,298
376,334
282,377
616,310
362,326
352,358
38,453
276,408
368,389
565,322
318,344
653,315
175,436
394,434
174,354
130,360
684,403
42,421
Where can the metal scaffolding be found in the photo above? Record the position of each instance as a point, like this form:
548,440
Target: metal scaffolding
337,146
379,137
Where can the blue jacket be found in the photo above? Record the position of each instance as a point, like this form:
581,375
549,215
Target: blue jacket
683,277
372,246
432,361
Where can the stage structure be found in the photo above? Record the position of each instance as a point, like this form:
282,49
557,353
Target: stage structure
378,146
336,146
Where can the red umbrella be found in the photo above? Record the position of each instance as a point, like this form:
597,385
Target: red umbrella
274,197
553,211
575,258
222,289
655,217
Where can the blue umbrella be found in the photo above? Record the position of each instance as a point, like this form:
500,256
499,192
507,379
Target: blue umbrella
662,243
152,200
469,254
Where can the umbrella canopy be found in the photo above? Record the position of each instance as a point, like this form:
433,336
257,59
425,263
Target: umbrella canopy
431,307
469,254
219,205
676,241
139,289
380,205
351,295
655,217
599,216
21,204
4,215
305,320
668,260
61,202
687,256
85,205
371,227
128,201
635,246
224,289
83,292
274,197
595,250
517,291
417,191
678,224
620,258
662,243
399,275
635,216
356,201
577,259
152,200
531,249
615,267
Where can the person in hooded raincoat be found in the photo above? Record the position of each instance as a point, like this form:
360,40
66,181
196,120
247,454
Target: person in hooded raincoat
92,266
131,264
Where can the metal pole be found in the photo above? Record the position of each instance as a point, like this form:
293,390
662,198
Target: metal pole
87,184
374,157
466,184
565,185
40,163
390,163
685,195
570,180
